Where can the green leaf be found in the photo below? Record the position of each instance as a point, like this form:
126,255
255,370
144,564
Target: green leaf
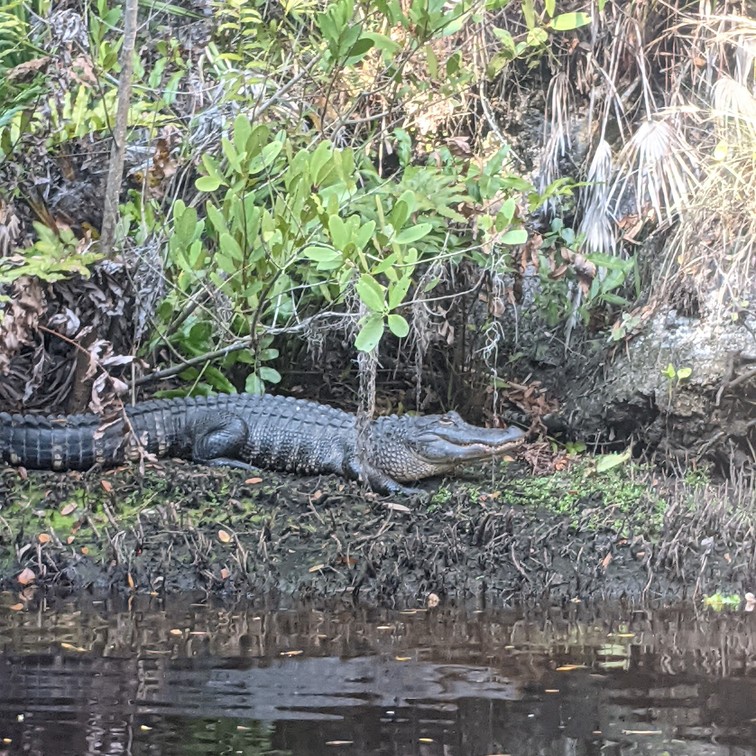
413,233
550,7
683,373
231,247
216,218
370,333
208,183
242,133
365,234
321,254
186,226
403,208
269,374
219,381
398,291
266,158
606,462
614,299
339,232
319,160
453,64
359,49
254,384
371,293
669,371
537,37
231,154
608,261
570,21
398,325
382,42
514,237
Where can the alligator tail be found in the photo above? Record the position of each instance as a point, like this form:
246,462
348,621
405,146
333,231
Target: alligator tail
75,442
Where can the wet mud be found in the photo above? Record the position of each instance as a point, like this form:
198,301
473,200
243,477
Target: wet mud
491,537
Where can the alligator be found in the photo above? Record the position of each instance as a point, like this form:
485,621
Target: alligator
251,432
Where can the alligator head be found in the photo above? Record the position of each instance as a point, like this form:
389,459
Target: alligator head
410,448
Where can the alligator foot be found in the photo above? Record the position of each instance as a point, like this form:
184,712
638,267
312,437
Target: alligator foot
227,462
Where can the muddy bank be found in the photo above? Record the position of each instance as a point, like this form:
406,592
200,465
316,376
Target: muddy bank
497,535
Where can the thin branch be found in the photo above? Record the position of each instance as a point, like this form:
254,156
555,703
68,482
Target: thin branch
117,152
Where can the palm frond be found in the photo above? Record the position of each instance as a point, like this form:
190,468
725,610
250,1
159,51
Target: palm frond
596,226
557,142
656,167
734,109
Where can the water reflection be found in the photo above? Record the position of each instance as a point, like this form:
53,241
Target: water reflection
139,678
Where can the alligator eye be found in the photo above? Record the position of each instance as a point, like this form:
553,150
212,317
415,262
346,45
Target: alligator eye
446,420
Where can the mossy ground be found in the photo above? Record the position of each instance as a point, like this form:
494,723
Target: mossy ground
496,535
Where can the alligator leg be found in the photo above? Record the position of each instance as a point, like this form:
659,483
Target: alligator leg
222,443
382,483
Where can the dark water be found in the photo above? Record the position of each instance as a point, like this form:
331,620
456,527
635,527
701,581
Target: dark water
149,678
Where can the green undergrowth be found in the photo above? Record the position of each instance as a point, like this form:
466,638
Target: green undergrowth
628,499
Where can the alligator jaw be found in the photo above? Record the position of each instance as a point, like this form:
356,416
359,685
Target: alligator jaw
452,449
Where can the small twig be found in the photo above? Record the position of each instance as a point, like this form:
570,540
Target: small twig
117,152
516,562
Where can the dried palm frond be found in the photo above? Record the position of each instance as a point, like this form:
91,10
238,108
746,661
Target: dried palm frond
557,140
734,109
659,167
596,226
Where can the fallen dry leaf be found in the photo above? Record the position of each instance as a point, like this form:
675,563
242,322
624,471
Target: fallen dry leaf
71,647
570,667
253,481
107,486
44,538
26,576
224,536
16,607
68,509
